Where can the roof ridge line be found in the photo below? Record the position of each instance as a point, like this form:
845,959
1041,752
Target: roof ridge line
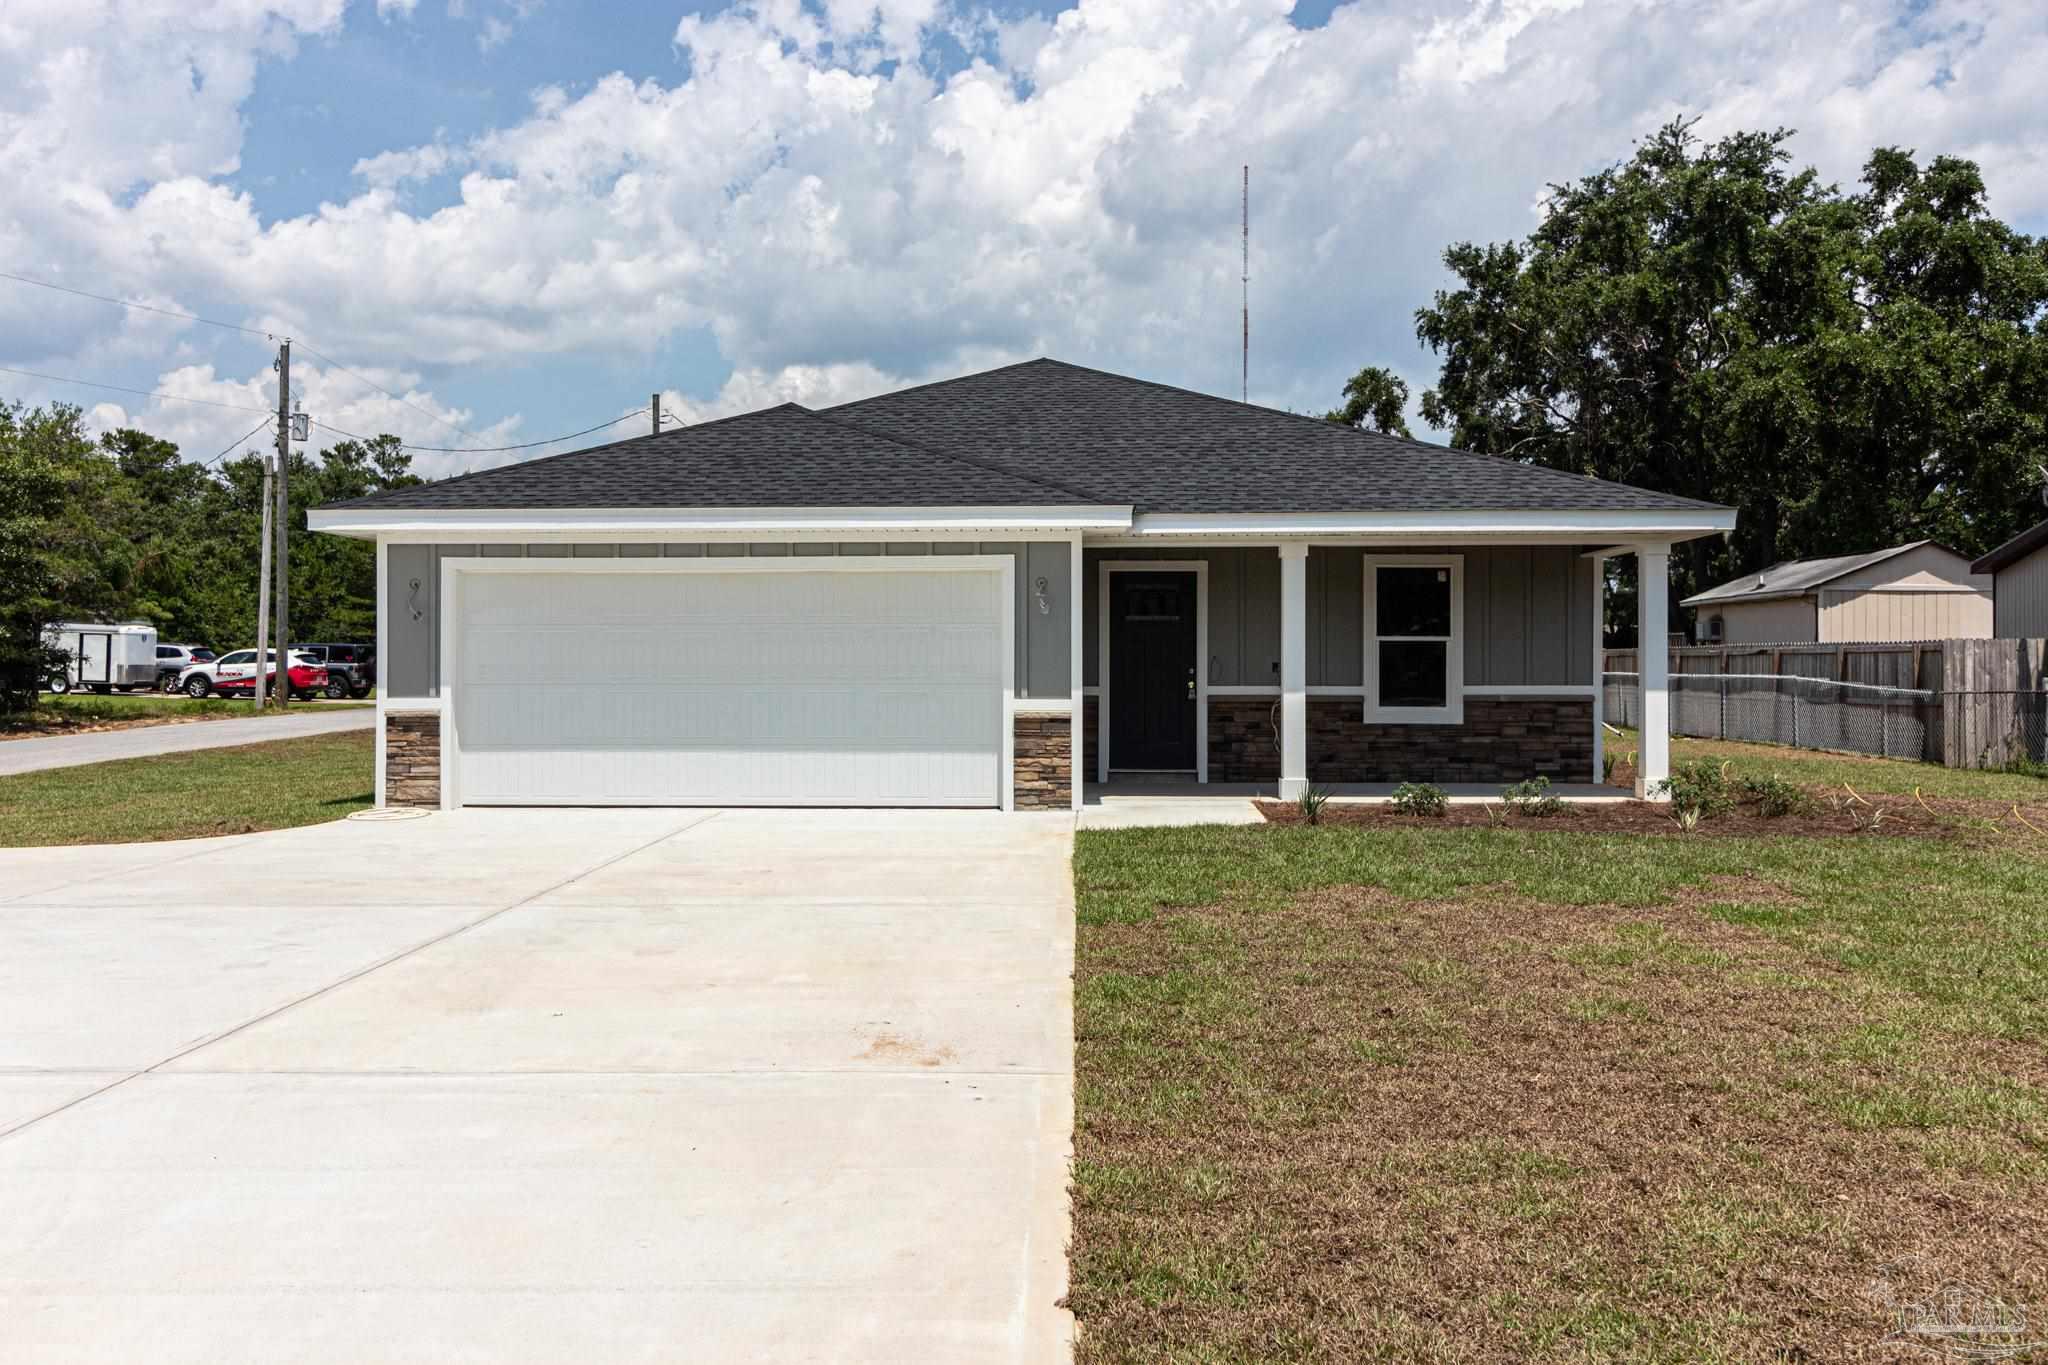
985,465
941,383
1418,445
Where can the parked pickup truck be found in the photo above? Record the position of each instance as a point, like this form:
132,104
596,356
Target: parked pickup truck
351,669
234,673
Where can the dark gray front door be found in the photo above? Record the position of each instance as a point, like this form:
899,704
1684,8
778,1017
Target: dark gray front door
1152,671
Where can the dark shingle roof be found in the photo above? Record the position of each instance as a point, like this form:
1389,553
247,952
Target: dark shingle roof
785,456
1041,432
1173,450
2014,550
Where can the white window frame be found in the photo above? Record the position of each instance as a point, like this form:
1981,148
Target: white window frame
1453,710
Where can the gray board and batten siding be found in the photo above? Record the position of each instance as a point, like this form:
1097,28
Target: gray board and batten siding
411,667
1528,613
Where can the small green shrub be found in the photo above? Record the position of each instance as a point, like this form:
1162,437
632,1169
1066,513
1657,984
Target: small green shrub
1532,797
1421,798
2021,765
1607,765
1700,787
1775,797
1311,803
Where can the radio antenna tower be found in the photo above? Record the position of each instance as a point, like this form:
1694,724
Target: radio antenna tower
1244,281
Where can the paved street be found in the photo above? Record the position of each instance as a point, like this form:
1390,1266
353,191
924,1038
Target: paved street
70,751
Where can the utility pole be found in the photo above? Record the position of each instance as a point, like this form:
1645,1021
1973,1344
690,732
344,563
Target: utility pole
283,518
655,408
262,595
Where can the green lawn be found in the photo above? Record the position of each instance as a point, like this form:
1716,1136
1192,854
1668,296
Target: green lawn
79,710
185,796
1891,776
1513,1094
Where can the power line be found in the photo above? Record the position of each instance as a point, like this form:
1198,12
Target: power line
489,450
249,331
207,464
130,303
122,388
425,412
243,407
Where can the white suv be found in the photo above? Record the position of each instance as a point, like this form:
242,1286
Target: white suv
173,660
236,671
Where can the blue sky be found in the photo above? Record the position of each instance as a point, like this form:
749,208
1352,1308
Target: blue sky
522,216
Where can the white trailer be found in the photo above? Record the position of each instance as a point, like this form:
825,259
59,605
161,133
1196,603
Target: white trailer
103,657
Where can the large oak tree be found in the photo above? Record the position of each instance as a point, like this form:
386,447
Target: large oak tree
1847,369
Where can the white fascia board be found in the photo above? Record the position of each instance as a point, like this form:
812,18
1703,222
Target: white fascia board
1445,524
479,525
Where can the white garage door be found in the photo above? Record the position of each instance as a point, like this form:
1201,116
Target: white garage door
843,685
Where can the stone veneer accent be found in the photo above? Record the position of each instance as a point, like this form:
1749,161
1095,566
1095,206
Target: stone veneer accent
412,758
1503,739
1242,739
1043,771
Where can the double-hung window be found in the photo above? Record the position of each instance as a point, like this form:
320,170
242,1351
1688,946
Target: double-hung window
1414,639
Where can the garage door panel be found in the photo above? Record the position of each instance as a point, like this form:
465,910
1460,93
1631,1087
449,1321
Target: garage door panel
731,687
729,776
539,716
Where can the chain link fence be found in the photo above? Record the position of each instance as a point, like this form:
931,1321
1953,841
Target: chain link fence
1961,729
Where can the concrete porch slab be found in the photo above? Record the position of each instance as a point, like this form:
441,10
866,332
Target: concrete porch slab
1125,805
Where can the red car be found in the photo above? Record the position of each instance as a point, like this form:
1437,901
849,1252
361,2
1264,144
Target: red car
232,675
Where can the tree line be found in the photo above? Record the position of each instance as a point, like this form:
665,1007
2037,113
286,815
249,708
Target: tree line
1849,369
124,528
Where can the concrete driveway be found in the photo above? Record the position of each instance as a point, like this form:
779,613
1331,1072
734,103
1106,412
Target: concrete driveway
541,1086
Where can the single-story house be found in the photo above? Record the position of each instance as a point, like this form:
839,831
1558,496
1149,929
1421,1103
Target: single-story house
1919,591
919,598
2019,585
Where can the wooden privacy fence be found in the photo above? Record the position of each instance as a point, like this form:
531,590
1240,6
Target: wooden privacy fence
1962,703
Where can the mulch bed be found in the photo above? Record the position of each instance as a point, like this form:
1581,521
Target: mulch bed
1905,818
1481,1130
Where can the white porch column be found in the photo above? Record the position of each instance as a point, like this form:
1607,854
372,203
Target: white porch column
1077,725
1599,562
1293,670
1653,664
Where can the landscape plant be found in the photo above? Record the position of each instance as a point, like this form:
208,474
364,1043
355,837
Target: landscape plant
1421,798
1532,796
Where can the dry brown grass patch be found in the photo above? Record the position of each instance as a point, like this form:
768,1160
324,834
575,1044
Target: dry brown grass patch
1491,1129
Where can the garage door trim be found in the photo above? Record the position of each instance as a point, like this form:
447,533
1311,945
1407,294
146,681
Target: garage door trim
454,570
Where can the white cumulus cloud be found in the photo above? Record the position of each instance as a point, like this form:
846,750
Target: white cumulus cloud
842,207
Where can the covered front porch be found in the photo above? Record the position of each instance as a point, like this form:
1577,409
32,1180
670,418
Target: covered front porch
1239,668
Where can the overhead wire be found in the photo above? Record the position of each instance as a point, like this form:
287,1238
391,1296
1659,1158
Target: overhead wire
207,464
306,346
139,307
396,398
489,450
123,388
310,350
